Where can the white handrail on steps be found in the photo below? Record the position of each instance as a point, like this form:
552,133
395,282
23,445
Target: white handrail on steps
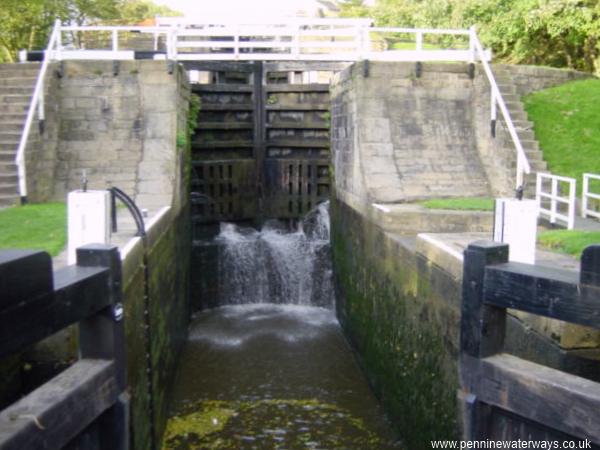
522,163
37,102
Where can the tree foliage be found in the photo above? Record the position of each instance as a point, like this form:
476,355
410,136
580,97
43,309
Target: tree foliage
560,33
26,24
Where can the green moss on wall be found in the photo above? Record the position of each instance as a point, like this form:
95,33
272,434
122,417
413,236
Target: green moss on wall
404,330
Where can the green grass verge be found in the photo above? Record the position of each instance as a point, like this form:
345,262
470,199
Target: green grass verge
465,204
567,125
38,226
571,242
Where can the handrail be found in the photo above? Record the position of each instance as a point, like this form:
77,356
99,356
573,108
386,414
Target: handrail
522,163
131,206
587,195
37,101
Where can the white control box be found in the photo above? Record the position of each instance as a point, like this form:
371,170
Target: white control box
88,220
515,224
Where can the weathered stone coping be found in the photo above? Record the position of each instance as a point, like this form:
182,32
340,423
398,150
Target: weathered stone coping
413,218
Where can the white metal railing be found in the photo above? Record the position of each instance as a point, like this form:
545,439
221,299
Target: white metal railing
587,195
555,198
37,102
523,166
290,39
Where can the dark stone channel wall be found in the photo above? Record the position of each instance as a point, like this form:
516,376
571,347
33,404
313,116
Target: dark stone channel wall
401,314
168,258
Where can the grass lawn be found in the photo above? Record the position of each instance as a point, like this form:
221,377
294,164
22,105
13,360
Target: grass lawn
571,242
567,125
465,204
38,226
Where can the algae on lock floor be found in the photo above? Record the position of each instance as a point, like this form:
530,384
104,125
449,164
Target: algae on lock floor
40,226
270,423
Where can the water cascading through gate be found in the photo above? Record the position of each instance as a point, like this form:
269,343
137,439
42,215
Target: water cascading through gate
274,265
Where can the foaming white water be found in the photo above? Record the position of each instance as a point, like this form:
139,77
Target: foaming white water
234,325
276,266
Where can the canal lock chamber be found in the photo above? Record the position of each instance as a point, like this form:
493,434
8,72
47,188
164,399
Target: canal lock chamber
266,364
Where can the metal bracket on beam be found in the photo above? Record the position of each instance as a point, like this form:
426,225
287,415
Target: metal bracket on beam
116,67
493,127
366,68
471,71
418,69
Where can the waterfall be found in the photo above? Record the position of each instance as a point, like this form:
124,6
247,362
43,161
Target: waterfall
275,265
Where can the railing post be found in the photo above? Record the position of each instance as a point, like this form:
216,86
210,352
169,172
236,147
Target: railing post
472,37
419,41
366,42
493,113
297,42
538,190
115,40
519,177
236,39
553,202
572,191
584,197
58,27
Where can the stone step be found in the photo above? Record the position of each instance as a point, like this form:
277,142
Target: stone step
515,106
9,178
507,88
14,108
8,168
13,117
18,82
7,156
8,146
7,126
530,144
10,136
525,135
7,67
8,188
16,90
510,97
19,73
523,124
518,115
9,200
15,98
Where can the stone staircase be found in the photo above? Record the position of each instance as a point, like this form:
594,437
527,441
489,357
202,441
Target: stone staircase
17,83
523,126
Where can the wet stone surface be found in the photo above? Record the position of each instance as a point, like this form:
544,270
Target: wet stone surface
268,376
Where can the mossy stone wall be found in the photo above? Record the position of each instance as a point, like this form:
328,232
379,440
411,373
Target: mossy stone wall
401,315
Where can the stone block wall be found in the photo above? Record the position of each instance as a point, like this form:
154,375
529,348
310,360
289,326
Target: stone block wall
397,137
159,266
42,148
401,313
529,79
122,129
